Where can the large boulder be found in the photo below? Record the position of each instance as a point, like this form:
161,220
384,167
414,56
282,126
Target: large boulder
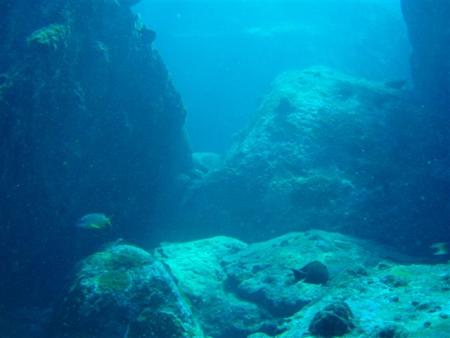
237,289
223,287
123,292
89,122
329,151
249,290
198,268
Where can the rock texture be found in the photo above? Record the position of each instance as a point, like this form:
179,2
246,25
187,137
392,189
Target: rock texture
235,289
89,122
429,32
334,152
249,290
222,287
123,292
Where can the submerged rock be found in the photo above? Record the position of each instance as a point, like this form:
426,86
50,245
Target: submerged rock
238,289
198,268
233,289
390,331
88,120
332,321
328,151
124,292
53,37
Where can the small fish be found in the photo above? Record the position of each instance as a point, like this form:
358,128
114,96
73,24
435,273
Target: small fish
94,221
312,273
440,249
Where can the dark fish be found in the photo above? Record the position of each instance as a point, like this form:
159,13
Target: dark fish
313,273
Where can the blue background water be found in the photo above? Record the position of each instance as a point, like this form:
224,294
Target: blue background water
223,55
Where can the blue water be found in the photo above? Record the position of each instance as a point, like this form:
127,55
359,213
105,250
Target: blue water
101,148
224,55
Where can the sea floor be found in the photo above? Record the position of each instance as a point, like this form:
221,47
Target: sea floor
304,284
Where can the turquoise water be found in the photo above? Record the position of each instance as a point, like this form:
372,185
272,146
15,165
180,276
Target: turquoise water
224,55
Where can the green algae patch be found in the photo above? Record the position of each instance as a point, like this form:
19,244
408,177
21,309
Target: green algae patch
402,271
114,281
160,324
122,257
53,37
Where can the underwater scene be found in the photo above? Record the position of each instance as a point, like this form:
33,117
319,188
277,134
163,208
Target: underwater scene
224,168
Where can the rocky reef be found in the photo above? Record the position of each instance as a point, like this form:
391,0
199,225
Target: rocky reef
222,287
89,122
124,292
330,151
429,32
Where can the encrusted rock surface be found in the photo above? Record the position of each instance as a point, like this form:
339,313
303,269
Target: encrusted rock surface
89,122
330,151
248,290
224,288
333,320
123,292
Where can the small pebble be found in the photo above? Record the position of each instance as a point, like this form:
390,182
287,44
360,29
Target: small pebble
427,324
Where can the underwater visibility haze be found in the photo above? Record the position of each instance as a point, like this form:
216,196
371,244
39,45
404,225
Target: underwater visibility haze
224,169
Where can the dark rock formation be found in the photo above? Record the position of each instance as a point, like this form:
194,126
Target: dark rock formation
429,31
332,321
334,152
123,292
89,122
390,331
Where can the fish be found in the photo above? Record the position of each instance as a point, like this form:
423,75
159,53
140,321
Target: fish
94,221
312,273
440,248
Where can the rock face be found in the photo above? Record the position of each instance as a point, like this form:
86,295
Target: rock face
237,289
249,290
224,288
89,122
124,292
333,152
429,31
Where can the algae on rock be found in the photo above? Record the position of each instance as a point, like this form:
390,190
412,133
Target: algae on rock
122,288
89,121
52,36
330,151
